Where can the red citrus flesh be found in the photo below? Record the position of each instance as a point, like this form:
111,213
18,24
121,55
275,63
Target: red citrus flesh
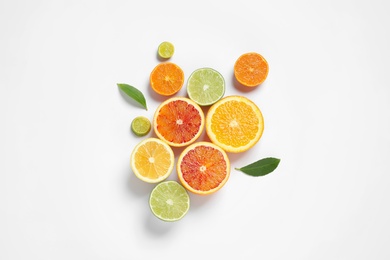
179,121
203,168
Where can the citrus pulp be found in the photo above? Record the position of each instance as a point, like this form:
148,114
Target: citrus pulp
152,160
166,78
169,201
179,121
203,168
205,86
251,69
234,123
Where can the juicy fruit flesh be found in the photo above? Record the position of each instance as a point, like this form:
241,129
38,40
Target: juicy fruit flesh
178,121
237,127
169,201
204,168
166,50
251,69
167,78
140,125
152,160
205,86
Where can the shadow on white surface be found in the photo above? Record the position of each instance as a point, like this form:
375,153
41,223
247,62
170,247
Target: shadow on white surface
137,187
156,226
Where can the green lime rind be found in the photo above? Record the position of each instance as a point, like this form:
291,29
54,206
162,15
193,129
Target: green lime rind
166,50
205,86
169,201
141,126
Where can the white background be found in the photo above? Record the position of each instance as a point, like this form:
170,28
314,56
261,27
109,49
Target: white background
66,187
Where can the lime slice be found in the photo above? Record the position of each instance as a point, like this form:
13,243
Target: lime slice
166,50
205,86
169,201
140,125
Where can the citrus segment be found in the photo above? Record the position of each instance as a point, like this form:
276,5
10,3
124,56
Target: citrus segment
165,50
178,121
205,86
251,69
203,168
152,160
234,123
169,201
167,78
140,125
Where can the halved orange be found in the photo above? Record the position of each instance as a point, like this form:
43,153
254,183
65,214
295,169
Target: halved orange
251,69
203,168
179,121
234,123
167,78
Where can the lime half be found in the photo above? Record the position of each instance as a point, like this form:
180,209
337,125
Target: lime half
140,125
205,86
169,201
166,50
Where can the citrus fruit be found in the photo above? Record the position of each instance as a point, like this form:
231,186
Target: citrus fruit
166,78
251,69
152,160
165,50
205,86
179,121
203,168
140,125
169,201
234,123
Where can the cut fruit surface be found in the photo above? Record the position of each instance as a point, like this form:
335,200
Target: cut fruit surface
152,160
140,126
166,78
251,69
205,86
234,123
165,50
169,201
203,168
178,121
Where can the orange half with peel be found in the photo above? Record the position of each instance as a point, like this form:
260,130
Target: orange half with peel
235,123
203,168
178,121
166,78
251,69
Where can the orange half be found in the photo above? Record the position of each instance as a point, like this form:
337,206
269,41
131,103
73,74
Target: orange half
178,121
234,123
251,69
203,168
167,78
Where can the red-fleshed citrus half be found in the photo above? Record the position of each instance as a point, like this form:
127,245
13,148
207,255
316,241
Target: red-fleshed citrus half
203,168
178,121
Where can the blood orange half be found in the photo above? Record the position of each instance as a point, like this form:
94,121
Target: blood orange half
203,168
179,121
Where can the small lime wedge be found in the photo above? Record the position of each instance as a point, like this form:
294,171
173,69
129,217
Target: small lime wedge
166,50
140,126
169,201
205,86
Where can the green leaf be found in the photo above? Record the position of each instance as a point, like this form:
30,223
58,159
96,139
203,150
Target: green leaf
133,93
261,167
